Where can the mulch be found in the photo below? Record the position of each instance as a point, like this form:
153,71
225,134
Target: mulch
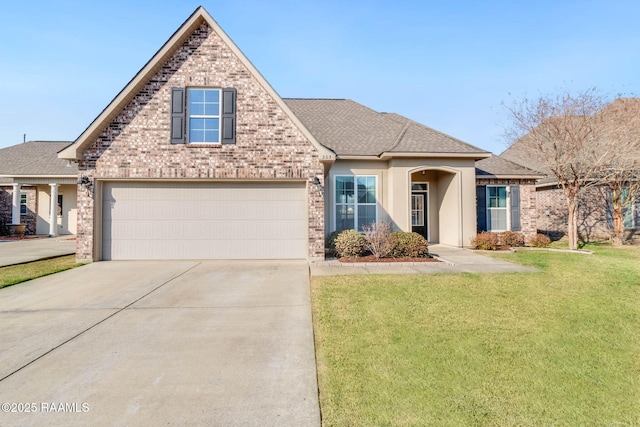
371,258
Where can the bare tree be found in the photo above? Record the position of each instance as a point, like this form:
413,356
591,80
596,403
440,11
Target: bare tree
378,237
621,171
563,136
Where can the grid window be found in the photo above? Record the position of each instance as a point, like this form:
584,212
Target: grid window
204,116
356,203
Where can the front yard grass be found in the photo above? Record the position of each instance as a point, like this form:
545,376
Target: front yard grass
14,274
561,347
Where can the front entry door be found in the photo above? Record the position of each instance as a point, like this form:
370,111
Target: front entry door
419,213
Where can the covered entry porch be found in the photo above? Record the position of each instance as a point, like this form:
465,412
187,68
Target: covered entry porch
436,201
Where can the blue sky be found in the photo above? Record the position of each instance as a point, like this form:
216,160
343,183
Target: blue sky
448,65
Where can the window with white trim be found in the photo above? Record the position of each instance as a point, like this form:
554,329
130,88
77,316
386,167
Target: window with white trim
201,115
497,208
355,202
204,115
23,204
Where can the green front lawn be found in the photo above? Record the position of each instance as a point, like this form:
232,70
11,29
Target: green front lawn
14,274
561,347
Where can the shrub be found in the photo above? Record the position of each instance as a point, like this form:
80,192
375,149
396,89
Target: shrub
486,241
512,238
377,236
406,244
330,241
350,243
540,241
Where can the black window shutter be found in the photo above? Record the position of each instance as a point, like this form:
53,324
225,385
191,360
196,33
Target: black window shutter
177,115
228,127
515,208
481,207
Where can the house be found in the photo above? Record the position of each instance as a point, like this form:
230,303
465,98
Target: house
506,196
37,188
198,157
595,219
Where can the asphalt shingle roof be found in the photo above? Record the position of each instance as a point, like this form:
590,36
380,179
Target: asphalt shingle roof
498,166
351,129
35,158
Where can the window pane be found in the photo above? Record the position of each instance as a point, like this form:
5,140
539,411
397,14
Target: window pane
502,197
344,189
344,218
497,219
497,197
204,102
366,189
211,135
196,109
366,215
196,135
196,95
204,130
212,96
417,210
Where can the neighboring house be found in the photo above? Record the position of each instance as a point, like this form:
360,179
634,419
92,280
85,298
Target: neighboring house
198,157
31,178
506,196
595,219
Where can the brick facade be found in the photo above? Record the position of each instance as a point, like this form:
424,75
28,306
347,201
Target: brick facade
6,208
136,143
594,222
528,212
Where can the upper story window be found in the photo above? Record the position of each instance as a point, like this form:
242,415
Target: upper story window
204,115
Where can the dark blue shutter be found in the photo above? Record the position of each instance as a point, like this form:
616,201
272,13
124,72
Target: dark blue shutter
177,115
481,207
228,116
515,208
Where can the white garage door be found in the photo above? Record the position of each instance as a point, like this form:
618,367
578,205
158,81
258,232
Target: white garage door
204,221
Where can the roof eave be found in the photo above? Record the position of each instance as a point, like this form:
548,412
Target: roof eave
357,157
74,151
475,156
500,176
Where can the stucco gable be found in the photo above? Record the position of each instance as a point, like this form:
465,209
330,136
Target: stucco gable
148,75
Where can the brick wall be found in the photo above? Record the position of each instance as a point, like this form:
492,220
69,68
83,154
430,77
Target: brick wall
593,217
528,214
136,144
6,208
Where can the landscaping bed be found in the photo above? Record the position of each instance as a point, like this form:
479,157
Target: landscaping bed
371,258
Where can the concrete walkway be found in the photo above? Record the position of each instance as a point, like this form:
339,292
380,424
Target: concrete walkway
454,260
28,250
148,343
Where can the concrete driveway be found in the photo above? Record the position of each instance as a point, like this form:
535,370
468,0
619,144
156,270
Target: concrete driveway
151,343
27,250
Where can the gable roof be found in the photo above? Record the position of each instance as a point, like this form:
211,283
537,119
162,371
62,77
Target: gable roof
199,16
351,129
499,167
35,158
